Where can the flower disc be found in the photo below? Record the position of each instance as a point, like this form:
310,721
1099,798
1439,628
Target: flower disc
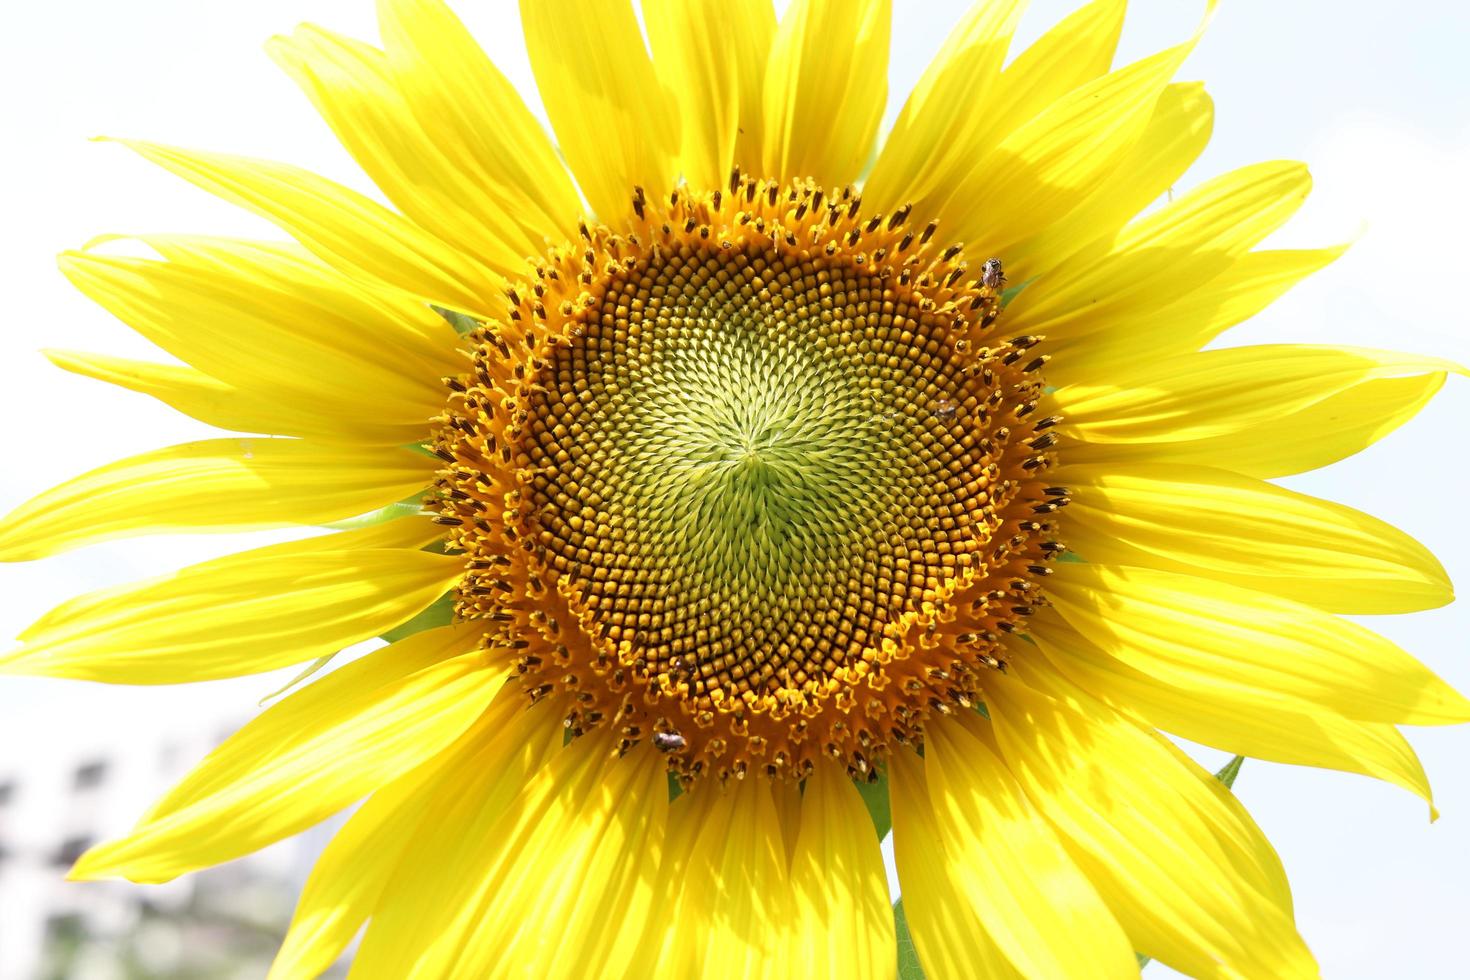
758,461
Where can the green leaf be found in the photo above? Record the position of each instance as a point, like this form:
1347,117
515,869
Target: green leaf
1232,769
908,954
439,613
875,795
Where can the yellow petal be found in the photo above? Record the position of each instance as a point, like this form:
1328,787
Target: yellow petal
1231,719
825,86
247,410
1078,49
310,755
1193,882
1047,167
712,55
560,883
607,844
844,920
345,228
614,121
354,89
242,614
726,869
478,117
932,139
392,317
218,485
252,323
1175,136
1071,54
349,877
1251,283
1193,632
488,764
949,932
1037,905
1215,523
1162,256
1264,411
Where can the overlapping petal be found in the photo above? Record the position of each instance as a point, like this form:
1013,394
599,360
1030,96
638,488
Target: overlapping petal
353,878
843,919
216,485
253,409
931,139
491,886
243,614
1212,522
375,718
1269,410
1163,256
354,88
825,85
479,121
1043,170
258,317
1236,720
711,55
1071,54
1193,631
1145,825
949,932
1251,283
614,121
726,868
345,228
1013,870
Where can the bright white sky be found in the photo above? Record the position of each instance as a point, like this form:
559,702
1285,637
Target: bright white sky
1376,99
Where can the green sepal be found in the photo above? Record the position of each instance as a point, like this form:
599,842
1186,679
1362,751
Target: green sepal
407,507
1231,769
462,324
875,796
1011,292
311,668
439,613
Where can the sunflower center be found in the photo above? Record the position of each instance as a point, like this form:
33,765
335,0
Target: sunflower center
759,489
740,467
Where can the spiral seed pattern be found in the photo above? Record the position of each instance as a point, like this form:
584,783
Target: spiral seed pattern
749,478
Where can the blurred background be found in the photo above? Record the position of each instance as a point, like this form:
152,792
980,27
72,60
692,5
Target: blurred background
1376,98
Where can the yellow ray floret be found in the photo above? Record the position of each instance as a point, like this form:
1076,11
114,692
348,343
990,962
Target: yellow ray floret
376,718
1142,826
1217,524
231,616
1173,625
216,485
1229,718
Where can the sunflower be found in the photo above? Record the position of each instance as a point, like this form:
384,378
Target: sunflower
724,481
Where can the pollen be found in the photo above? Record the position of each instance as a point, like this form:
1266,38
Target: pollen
751,478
